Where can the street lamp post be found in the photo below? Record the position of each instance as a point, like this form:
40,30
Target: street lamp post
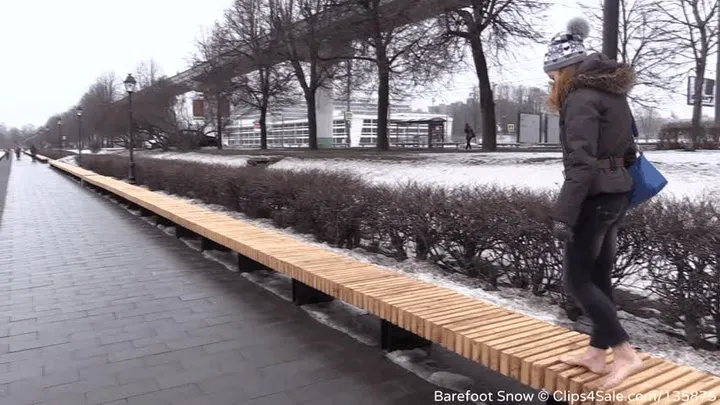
130,88
59,126
80,140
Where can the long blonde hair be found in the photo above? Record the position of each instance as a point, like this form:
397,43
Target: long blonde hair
560,86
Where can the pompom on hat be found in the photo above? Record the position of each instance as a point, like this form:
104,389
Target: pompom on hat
567,48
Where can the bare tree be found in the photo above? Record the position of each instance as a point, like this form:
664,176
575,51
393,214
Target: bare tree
403,52
154,114
147,73
492,27
297,25
97,105
644,44
649,122
216,85
247,35
691,25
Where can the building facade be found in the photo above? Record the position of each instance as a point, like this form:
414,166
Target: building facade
288,127
407,129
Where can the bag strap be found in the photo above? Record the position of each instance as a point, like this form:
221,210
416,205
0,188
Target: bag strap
634,126
635,132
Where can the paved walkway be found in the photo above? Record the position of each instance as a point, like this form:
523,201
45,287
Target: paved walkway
99,307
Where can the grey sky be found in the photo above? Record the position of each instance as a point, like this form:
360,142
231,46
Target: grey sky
51,57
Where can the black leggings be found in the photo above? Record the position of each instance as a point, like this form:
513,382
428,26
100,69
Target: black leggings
589,261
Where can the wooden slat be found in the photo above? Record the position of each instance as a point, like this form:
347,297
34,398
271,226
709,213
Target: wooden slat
659,387
513,344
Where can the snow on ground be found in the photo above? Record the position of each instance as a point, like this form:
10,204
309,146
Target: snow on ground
690,174
104,151
232,161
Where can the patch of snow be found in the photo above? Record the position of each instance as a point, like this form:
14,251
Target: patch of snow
691,174
168,230
226,160
193,244
227,259
418,362
344,318
71,160
277,283
688,174
103,151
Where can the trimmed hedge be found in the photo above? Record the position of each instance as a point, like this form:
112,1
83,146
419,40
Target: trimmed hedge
54,154
501,237
677,135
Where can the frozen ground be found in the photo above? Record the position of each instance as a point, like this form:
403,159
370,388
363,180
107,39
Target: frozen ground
689,174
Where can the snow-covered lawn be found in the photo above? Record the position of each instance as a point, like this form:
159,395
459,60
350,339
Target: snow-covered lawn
104,151
689,174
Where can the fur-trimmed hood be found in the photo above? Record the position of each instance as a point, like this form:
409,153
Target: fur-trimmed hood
599,72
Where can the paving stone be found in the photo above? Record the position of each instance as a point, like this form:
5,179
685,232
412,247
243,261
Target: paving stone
99,307
168,396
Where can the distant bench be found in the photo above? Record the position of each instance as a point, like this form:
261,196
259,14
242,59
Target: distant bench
39,158
413,313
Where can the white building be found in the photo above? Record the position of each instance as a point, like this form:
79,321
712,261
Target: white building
289,128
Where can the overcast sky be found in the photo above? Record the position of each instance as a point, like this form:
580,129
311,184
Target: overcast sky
55,49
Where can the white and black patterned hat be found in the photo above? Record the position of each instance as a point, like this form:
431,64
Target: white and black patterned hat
567,48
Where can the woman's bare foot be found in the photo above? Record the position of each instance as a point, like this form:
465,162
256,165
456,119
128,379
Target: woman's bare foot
593,359
625,363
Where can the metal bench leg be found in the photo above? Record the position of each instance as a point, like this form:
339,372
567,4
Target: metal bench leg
303,294
207,244
248,265
164,221
393,337
181,232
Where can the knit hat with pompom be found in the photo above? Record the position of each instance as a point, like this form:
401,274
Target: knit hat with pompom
567,48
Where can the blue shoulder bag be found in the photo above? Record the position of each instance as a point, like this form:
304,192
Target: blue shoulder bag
647,180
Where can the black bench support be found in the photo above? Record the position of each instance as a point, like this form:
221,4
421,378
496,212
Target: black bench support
393,338
161,220
303,294
207,244
248,265
181,232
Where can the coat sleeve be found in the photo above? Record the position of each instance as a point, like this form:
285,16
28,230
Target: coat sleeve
582,127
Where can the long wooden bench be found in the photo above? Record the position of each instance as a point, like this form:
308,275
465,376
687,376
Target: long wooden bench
512,344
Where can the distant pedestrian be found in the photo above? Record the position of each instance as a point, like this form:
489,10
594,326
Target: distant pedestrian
469,136
590,93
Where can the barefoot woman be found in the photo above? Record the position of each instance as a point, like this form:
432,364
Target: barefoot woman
590,93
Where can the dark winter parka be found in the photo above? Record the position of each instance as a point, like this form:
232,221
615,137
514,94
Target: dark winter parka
596,135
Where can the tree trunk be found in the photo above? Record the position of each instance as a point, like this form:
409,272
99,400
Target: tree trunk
696,129
263,127
692,331
219,122
383,65
383,143
487,102
312,119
